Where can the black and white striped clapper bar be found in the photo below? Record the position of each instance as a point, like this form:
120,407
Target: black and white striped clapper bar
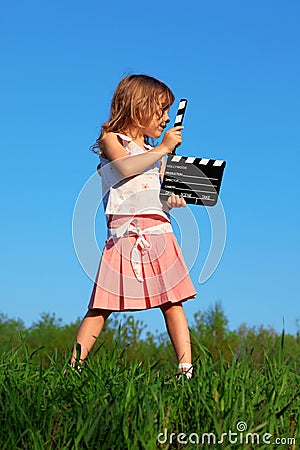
198,180
180,112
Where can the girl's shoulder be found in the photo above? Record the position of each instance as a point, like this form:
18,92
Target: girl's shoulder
123,137
119,136
114,144
116,137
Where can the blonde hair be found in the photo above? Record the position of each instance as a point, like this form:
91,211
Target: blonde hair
135,102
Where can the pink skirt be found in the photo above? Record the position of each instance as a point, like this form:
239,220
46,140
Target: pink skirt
165,275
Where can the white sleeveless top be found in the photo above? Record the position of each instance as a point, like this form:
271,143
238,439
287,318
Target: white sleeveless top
134,195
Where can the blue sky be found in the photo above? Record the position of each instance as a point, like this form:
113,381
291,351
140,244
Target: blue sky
238,65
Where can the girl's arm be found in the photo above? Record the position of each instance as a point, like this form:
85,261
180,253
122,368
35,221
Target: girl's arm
173,201
132,165
162,169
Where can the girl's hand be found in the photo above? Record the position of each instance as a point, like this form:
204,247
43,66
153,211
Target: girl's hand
174,201
172,139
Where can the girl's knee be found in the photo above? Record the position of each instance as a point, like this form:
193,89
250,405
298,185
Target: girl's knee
169,307
97,312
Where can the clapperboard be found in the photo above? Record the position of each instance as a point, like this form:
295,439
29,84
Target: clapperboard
197,180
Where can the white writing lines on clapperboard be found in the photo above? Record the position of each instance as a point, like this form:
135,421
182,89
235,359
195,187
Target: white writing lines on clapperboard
196,179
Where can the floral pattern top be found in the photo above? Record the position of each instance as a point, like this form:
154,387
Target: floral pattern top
138,194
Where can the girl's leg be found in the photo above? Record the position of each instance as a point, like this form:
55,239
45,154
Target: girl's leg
178,330
90,328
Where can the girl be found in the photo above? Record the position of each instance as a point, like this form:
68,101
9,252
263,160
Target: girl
141,266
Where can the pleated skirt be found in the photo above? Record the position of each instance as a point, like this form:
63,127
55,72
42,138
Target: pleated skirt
165,274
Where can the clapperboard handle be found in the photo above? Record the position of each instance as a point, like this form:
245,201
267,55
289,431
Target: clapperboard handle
180,115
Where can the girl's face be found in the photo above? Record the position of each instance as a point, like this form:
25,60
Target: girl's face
157,124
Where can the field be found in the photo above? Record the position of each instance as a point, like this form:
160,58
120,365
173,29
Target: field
116,403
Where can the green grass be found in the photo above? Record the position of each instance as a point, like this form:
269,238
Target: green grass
117,404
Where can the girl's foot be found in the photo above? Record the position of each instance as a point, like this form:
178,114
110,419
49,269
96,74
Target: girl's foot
186,369
77,369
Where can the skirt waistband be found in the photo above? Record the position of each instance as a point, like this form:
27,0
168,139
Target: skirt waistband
133,228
